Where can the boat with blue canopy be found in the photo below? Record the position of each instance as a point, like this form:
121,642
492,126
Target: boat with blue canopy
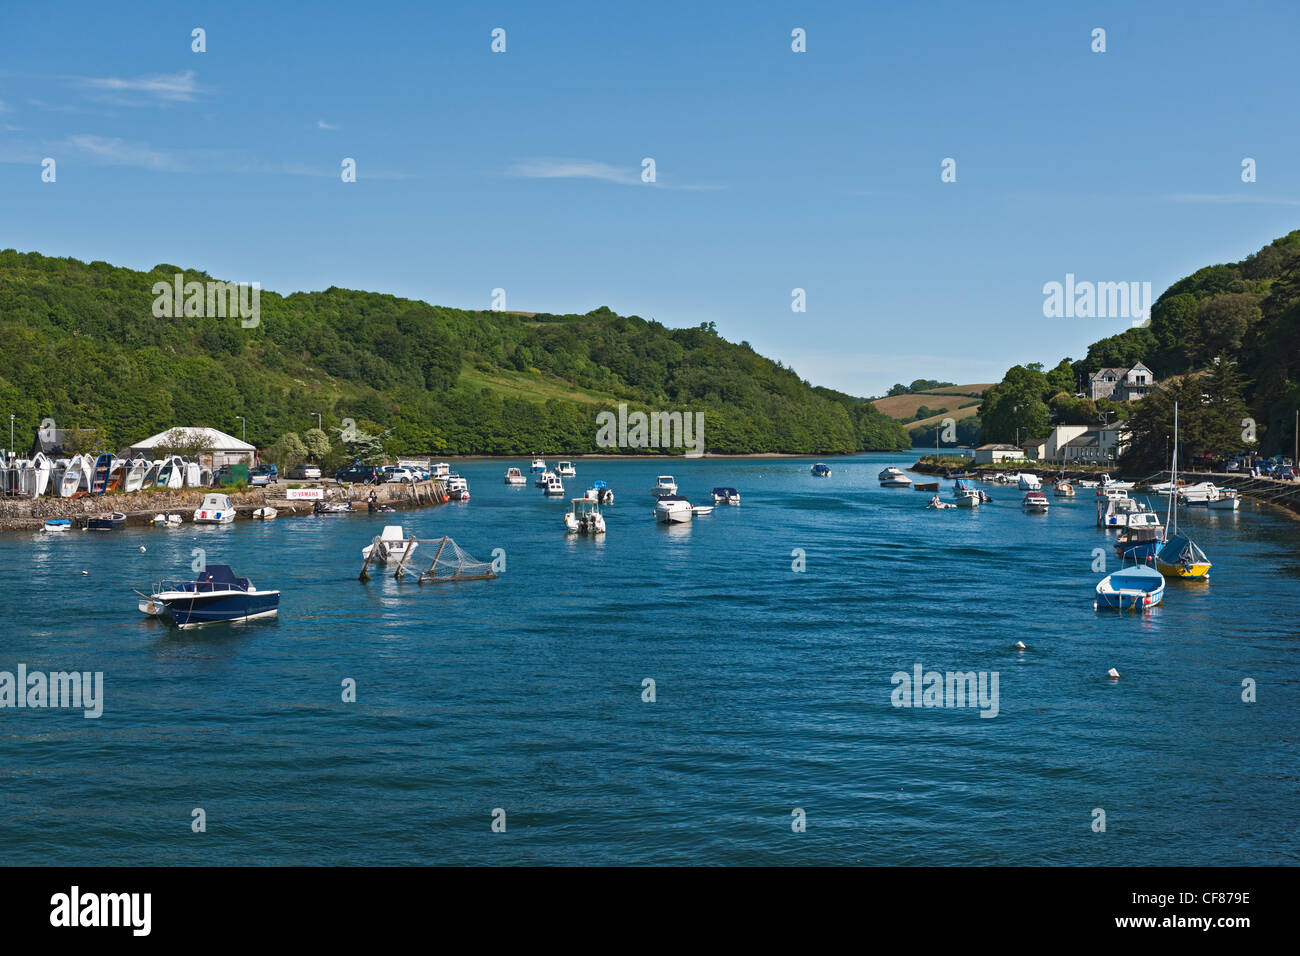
726,496
821,470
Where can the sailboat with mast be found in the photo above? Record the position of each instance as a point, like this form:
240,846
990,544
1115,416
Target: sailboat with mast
1178,556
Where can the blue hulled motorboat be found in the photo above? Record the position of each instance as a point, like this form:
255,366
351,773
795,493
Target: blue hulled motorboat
217,596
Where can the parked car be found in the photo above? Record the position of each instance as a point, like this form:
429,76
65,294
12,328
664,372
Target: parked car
398,475
359,474
304,473
259,477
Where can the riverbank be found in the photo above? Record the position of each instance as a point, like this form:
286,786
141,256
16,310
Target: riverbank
1274,491
30,514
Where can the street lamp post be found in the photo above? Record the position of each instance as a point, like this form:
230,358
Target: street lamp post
317,414
243,428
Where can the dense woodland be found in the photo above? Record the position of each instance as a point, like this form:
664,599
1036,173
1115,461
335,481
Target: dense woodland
1224,342
79,344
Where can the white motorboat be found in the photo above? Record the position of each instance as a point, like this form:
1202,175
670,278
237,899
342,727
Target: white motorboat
166,520
391,545
1036,503
265,514
538,466
440,471
967,495
543,477
554,487
1229,499
216,509
515,477
1028,482
1108,482
672,509
726,496
565,469
664,485
1123,512
600,492
1201,493
698,511
457,488
1063,489
894,478
57,524
584,517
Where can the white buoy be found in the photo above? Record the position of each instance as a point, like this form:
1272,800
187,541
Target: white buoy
142,549
85,572
1020,645
1113,673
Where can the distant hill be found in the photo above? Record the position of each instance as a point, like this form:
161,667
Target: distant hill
80,344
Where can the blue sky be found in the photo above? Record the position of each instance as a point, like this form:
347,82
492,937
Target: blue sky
775,170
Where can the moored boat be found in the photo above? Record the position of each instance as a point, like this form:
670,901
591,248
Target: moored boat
1063,489
166,520
664,485
554,487
967,495
672,509
1137,588
217,596
565,469
112,521
584,517
215,509
1229,500
391,545
1035,502
726,496
514,477
893,477
538,466
821,470
1028,482
265,514
57,524
600,492
457,488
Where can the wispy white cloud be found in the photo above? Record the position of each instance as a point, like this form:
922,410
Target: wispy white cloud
321,124
542,168
3,108
1232,198
162,87
118,152
575,169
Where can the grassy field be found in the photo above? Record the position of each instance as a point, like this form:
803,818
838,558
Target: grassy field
945,402
520,385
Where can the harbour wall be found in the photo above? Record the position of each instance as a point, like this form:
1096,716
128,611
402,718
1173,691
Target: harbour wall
29,514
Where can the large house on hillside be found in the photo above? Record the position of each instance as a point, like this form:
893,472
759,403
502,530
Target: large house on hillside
1078,444
1119,384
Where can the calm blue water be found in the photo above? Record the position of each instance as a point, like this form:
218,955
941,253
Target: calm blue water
773,688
